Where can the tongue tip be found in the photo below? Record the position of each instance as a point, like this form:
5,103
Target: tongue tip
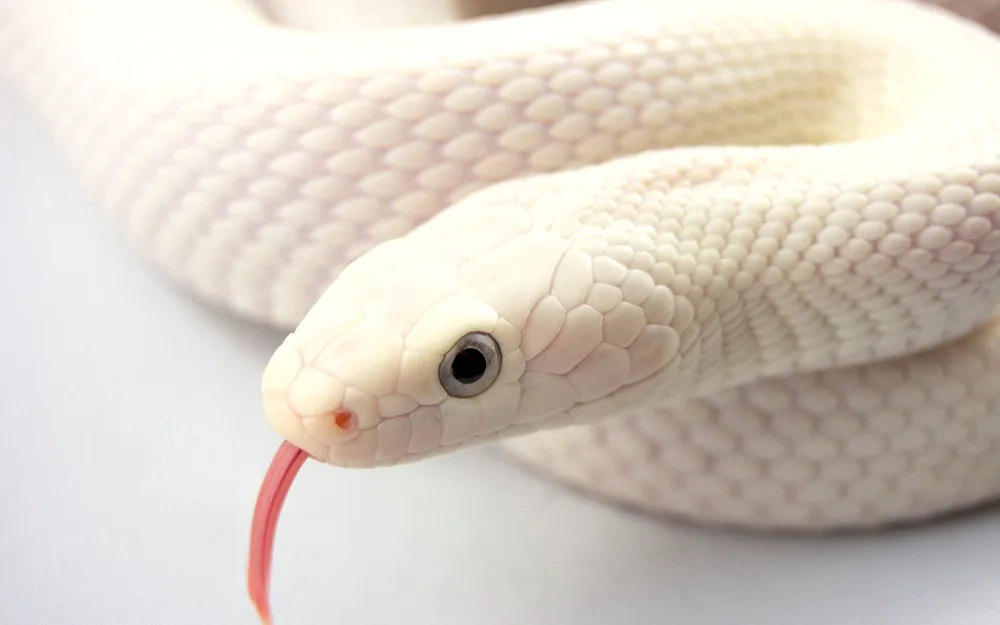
265,616
258,596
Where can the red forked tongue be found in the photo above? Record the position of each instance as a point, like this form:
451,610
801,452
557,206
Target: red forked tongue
280,475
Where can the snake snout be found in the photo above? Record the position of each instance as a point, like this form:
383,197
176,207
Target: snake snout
327,401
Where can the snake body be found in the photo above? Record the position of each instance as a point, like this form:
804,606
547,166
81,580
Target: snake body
738,258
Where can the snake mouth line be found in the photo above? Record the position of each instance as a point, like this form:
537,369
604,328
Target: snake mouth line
279,478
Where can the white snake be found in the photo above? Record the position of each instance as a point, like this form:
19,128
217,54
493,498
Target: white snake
729,260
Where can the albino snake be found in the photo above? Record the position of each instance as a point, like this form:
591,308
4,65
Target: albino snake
729,260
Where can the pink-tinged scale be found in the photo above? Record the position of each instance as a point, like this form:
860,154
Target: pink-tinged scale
573,279
603,371
603,297
367,357
426,429
393,438
580,334
395,405
418,377
542,326
314,391
623,324
544,394
460,420
499,407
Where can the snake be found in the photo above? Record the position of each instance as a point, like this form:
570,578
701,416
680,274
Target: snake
735,262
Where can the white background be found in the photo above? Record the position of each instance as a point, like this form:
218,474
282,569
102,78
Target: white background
133,443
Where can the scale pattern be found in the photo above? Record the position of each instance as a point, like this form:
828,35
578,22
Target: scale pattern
860,447
823,271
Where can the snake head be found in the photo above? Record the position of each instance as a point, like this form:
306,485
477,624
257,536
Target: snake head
417,348
490,320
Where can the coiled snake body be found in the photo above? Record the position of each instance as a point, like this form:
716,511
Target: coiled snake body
730,260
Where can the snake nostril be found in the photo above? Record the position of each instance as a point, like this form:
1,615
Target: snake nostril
345,420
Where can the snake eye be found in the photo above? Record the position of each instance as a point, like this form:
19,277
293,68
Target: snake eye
471,366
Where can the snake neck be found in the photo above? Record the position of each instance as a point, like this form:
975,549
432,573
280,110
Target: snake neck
708,277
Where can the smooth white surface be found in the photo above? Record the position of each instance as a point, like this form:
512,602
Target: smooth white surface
133,444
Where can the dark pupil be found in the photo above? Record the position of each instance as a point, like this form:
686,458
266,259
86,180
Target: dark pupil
469,365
